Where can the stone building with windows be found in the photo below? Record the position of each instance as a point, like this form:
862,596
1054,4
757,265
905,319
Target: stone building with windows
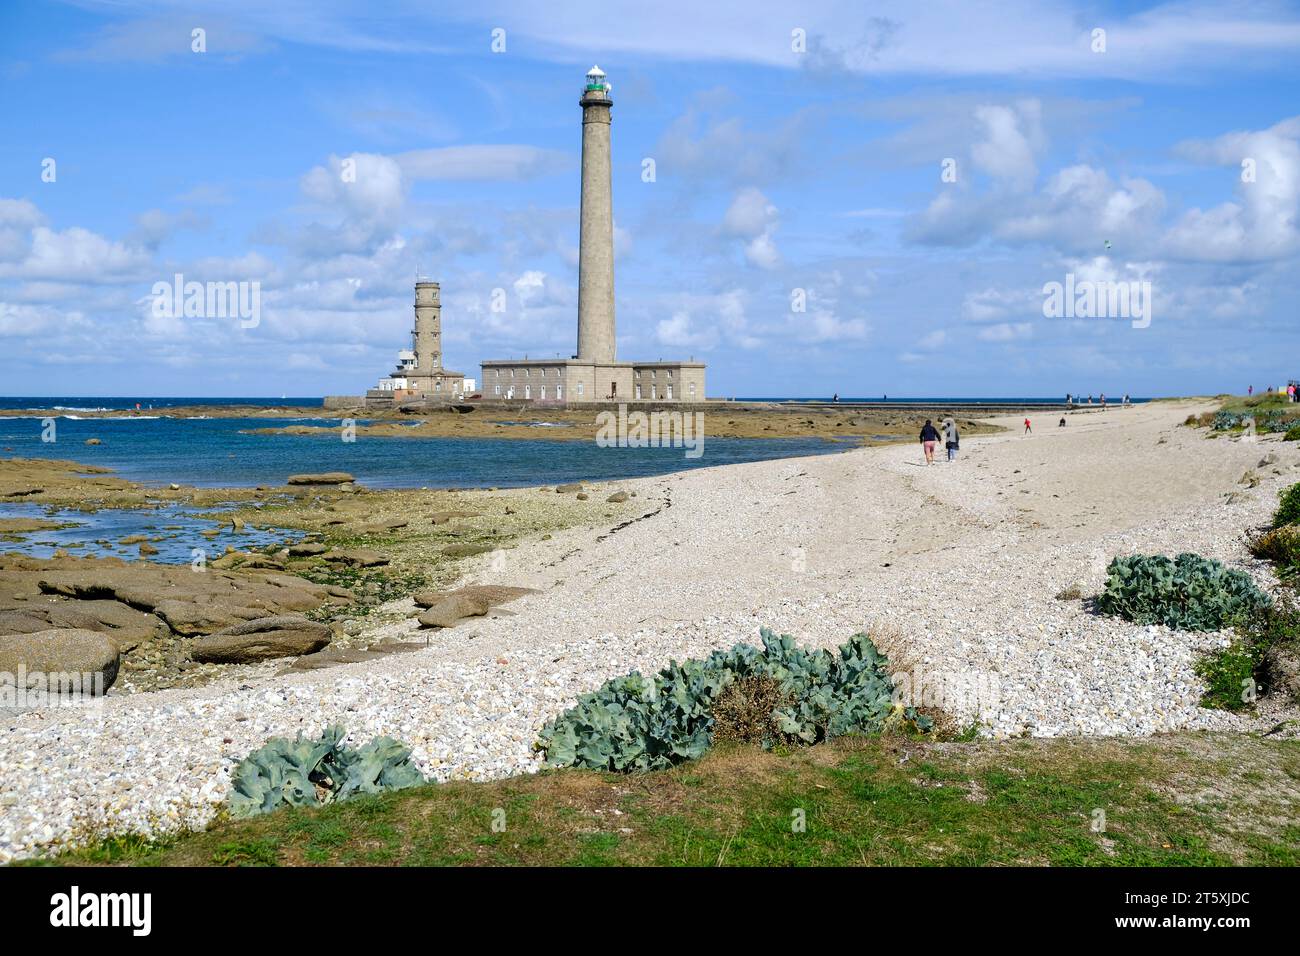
573,381
594,374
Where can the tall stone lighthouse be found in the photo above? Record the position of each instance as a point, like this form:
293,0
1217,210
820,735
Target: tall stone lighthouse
596,236
594,375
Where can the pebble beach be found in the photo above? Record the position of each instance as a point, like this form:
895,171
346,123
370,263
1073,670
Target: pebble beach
975,572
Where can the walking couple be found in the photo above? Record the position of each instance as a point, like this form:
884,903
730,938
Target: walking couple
930,437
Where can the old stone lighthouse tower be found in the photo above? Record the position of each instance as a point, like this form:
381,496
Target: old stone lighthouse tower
596,235
420,374
594,374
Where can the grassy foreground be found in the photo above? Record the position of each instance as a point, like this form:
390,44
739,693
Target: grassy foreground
1176,800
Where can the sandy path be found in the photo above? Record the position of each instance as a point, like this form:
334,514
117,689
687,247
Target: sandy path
955,565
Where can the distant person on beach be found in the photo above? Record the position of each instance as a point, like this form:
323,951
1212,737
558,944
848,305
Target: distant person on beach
1103,400
928,437
1250,390
1062,423
1028,429
951,439
835,397
1089,399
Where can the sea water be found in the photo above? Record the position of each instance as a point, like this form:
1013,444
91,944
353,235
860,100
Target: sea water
218,452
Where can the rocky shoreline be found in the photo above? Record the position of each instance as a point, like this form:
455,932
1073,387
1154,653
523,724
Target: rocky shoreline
339,552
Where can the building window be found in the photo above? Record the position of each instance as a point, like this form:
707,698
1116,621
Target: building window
580,389
670,373
652,373
437,386
528,391
498,391
692,389
670,391
654,392
559,391
638,391
541,393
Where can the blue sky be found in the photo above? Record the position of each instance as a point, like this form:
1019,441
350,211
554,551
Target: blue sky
779,166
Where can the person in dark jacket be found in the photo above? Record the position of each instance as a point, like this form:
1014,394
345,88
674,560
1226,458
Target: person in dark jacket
929,436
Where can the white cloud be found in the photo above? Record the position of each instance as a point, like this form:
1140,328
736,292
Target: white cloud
1005,332
821,325
753,218
1026,38
366,185
495,163
1011,136
75,254
1264,222
677,331
993,305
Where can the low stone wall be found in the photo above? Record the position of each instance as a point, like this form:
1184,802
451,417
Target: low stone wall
344,401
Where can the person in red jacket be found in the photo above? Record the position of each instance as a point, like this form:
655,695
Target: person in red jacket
1028,430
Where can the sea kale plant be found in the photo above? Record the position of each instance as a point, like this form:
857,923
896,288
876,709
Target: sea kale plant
1266,421
1188,592
304,772
638,723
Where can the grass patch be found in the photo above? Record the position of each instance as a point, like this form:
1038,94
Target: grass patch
1280,546
1175,800
1229,675
1288,507
1269,401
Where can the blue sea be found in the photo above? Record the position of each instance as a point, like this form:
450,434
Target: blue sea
213,452
83,403
157,450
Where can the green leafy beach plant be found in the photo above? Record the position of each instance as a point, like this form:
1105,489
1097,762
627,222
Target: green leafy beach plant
1187,592
1281,546
304,772
1265,655
635,723
1288,508
1229,675
1266,421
